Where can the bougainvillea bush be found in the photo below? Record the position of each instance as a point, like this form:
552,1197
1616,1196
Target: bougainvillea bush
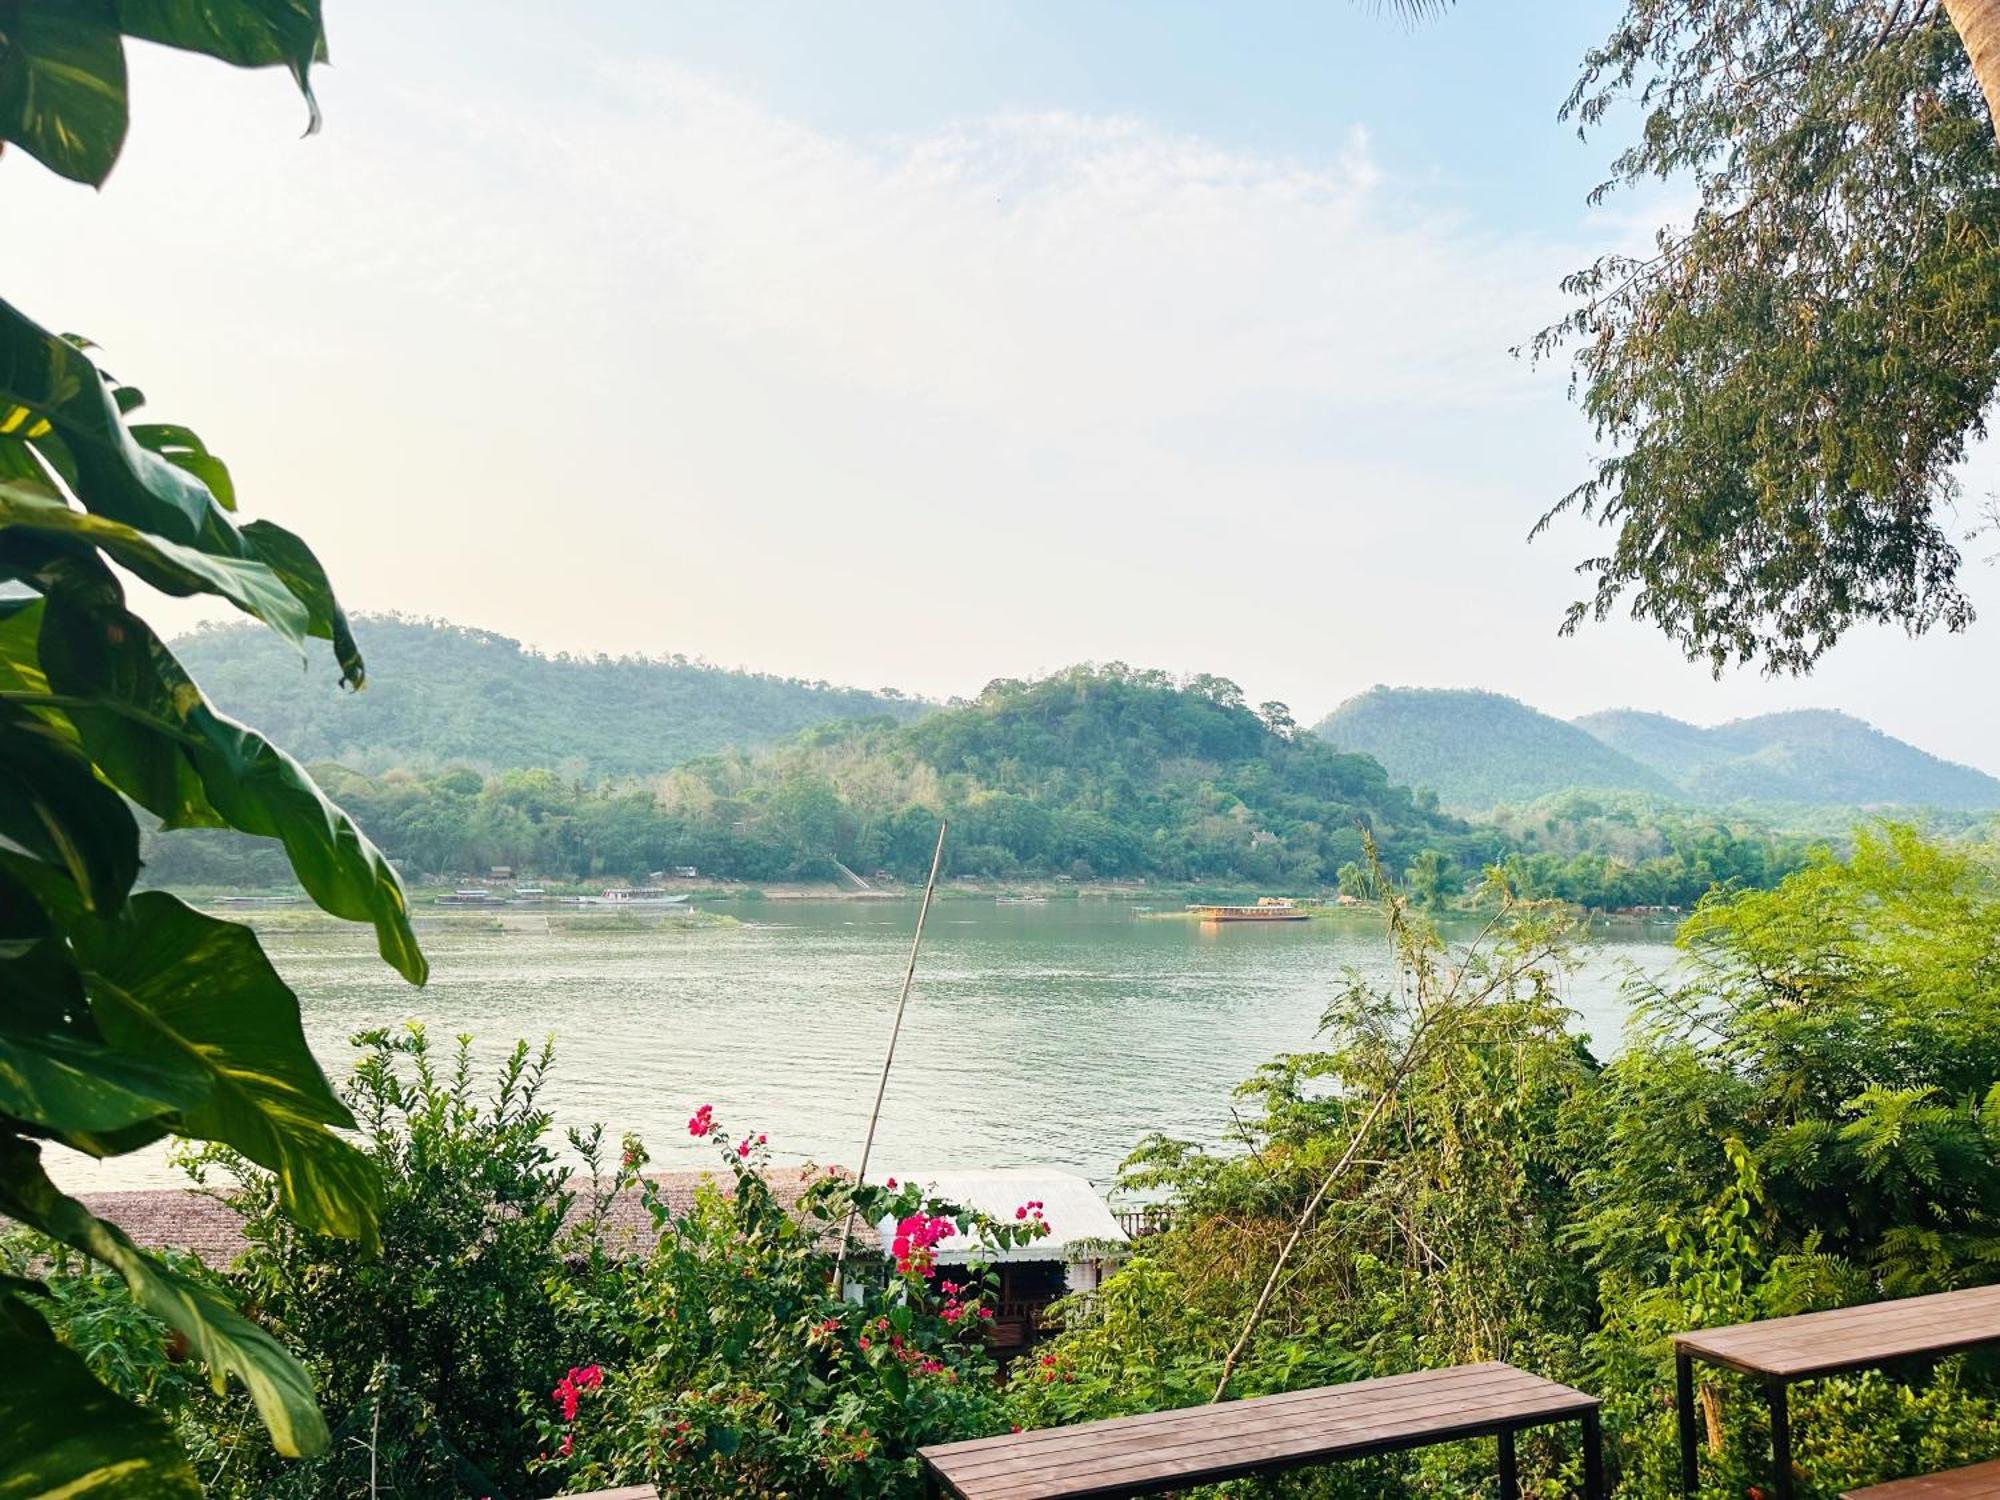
725,1362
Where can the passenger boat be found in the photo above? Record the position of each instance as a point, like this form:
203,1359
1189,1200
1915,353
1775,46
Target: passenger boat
1267,909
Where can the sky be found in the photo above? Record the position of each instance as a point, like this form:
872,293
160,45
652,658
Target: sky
918,345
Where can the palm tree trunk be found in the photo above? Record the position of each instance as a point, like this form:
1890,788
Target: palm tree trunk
1978,26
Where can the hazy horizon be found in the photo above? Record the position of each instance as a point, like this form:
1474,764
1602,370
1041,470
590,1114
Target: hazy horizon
915,349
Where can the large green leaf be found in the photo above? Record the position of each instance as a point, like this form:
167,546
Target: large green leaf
113,474
150,731
55,401
165,981
62,65
54,809
64,1434
250,585
62,84
249,33
184,448
58,1074
226,1341
292,560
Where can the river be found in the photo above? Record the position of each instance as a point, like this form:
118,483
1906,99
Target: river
1054,1034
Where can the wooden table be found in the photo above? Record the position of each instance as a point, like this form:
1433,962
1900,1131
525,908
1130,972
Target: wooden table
1205,1444
1782,1350
1975,1482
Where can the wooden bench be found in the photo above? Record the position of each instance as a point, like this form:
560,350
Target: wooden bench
1779,1351
1979,1482
1171,1450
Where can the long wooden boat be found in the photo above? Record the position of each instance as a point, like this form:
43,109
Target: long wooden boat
1267,909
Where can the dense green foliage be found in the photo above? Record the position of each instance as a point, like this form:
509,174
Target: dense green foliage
1095,772
446,695
128,1017
1808,757
1477,750
517,1337
1787,385
730,1364
1611,852
1811,1117
419,1351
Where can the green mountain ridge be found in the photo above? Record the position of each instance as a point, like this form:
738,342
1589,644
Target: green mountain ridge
1479,749
1093,773
1814,756
440,694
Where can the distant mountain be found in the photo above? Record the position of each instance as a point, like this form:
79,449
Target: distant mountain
1811,756
441,694
1477,750
1095,772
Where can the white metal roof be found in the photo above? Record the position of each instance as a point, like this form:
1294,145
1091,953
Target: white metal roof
1077,1217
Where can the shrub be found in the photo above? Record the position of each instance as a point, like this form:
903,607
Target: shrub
727,1361
420,1354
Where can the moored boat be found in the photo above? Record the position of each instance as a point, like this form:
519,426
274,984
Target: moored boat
1267,909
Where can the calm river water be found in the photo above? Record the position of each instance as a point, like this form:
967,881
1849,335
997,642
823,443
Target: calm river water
1049,1035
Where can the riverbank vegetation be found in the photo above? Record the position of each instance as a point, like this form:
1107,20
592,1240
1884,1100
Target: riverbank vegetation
1807,1116
1094,774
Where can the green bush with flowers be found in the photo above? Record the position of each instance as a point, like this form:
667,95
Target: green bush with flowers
728,1361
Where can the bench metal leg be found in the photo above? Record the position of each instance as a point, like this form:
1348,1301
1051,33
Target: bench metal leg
1684,1409
1510,1473
1593,1457
1781,1437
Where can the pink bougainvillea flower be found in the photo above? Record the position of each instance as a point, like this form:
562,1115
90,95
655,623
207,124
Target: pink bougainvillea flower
702,1121
915,1236
743,1147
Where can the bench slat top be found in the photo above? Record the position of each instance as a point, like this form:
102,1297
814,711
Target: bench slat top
1979,1482
1822,1342
1192,1445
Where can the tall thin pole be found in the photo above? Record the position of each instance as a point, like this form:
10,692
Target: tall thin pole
889,1059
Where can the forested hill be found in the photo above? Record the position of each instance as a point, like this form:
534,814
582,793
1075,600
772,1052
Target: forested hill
1093,773
1812,756
442,695
1479,750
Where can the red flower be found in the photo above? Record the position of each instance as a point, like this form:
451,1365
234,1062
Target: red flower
702,1121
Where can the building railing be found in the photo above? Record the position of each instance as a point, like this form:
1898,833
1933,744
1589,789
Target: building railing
1140,1222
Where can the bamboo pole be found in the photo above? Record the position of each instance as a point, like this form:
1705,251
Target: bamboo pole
889,1059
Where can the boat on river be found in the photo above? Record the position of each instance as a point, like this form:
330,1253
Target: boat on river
1267,909
631,900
